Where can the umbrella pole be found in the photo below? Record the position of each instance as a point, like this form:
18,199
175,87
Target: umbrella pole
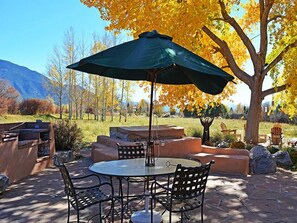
150,157
151,111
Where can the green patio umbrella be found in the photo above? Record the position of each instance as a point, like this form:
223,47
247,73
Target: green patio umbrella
155,58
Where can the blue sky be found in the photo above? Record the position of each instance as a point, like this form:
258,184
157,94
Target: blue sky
31,28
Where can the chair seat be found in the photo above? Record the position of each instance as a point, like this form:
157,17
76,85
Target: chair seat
135,179
178,205
232,132
87,198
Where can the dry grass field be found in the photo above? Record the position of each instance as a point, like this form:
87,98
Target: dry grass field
92,128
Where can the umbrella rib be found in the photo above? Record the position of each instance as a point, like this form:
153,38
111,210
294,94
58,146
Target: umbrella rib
152,74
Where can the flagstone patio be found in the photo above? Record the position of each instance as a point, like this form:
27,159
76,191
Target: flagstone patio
255,198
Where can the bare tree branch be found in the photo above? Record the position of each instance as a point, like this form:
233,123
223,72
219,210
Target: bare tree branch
224,49
279,57
246,41
223,67
219,19
275,18
261,3
273,90
264,13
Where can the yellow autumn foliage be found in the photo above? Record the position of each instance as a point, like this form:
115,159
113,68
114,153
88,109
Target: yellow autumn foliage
184,20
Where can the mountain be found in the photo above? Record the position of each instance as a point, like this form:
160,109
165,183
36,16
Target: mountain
29,83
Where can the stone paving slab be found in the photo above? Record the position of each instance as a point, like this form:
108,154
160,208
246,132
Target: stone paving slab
255,198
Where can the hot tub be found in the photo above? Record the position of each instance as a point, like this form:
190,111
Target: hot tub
136,133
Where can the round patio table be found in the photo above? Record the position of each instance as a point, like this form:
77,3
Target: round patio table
136,168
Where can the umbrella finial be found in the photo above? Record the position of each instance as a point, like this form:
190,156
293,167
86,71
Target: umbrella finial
154,34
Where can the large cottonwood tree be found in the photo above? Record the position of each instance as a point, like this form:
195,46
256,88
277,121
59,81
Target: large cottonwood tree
227,33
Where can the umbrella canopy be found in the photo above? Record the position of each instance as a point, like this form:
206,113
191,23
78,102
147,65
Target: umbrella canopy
154,57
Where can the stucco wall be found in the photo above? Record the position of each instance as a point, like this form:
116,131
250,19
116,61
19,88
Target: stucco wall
19,158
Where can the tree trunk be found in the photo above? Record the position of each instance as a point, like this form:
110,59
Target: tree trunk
70,98
61,108
76,106
82,97
121,102
103,100
89,96
254,113
112,99
97,109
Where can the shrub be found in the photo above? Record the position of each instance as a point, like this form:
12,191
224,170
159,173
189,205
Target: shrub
272,149
36,106
237,145
293,155
208,143
8,98
195,132
68,136
249,146
13,107
216,137
229,138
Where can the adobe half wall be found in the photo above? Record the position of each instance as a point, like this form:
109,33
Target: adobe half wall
20,158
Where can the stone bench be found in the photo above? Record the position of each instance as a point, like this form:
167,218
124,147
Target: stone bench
230,161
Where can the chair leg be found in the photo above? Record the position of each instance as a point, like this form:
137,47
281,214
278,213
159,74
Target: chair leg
100,213
181,217
202,213
112,210
151,202
77,215
144,187
128,190
68,215
121,199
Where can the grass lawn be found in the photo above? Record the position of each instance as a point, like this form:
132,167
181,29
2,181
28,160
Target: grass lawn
92,128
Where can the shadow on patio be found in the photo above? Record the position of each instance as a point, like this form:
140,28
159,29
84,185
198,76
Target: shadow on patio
255,198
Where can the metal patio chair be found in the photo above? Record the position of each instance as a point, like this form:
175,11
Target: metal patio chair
81,197
132,152
186,192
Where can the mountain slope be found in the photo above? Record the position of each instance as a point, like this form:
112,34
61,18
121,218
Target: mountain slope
30,84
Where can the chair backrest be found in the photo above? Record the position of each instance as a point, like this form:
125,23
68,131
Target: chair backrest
223,126
277,125
276,130
276,135
69,188
190,182
130,151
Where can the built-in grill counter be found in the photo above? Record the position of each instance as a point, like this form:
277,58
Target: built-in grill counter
31,134
41,137
27,147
